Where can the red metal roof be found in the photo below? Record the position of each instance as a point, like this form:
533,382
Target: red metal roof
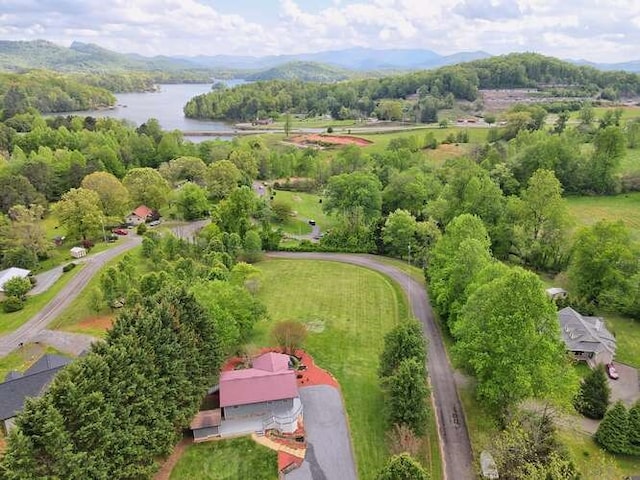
142,211
269,379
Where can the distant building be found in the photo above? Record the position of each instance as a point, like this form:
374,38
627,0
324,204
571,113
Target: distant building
78,252
586,338
17,387
140,215
9,273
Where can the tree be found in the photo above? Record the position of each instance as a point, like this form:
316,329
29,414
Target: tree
401,439
508,336
17,287
593,396
352,190
634,426
609,145
403,467
192,201
79,211
190,169
543,222
603,265
404,341
289,335
252,251
613,431
27,231
407,396
233,213
287,124
399,233
281,210
114,197
222,178
146,187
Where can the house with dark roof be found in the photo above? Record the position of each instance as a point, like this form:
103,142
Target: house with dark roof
587,338
17,386
253,400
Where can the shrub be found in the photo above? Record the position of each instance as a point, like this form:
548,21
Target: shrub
612,434
289,335
68,267
12,304
141,229
330,130
401,439
87,244
17,287
403,467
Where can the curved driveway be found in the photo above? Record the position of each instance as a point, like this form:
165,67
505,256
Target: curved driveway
455,446
92,265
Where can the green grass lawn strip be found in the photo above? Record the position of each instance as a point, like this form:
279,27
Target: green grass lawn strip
11,321
237,458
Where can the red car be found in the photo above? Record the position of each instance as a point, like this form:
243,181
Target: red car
120,231
612,372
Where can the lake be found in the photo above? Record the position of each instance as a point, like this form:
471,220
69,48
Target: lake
166,106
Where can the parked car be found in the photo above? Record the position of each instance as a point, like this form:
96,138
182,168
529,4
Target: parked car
312,222
612,372
154,223
120,231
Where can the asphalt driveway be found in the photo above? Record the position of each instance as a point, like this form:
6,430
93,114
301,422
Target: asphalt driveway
329,454
627,387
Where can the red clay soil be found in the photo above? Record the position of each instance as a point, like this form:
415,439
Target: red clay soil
331,140
167,467
96,323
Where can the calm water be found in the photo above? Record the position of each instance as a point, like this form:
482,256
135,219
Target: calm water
166,106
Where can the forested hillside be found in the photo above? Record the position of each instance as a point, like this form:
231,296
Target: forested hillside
353,99
303,71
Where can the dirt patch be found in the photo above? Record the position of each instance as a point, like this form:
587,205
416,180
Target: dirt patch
329,140
104,322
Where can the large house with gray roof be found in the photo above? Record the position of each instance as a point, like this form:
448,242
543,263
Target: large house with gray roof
587,338
17,386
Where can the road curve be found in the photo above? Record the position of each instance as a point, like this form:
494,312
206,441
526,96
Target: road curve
455,446
92,265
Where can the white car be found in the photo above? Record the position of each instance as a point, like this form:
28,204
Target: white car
612,372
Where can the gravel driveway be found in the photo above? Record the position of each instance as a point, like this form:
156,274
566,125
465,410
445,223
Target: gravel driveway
329,454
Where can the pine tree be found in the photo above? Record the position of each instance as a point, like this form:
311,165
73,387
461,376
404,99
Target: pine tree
592,400
612,434
403,467
634,426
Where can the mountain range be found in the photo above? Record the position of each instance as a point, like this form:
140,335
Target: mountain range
320,66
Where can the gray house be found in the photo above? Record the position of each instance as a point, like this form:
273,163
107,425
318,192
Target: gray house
586,338
17,387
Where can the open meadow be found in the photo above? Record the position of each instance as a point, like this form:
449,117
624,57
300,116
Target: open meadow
625,207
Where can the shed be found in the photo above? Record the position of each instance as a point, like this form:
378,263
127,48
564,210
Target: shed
488,465
78,252
205,425
556,293
9,273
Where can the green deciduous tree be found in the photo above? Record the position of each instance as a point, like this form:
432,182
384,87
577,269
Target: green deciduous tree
252,247
508,336
222,178
609,145
407,396
348,191
403,467
404,341
114,198
593,396
613,431
399,233
80,212
192,201
146,187
27,231
17,287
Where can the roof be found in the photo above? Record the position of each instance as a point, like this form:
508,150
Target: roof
142,211
9,273
206,418
13,393
269,379
553,291
77,249
12,375
585,334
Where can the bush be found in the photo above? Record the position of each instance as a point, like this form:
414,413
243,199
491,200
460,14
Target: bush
87,244
330,130
592,399
403,467
612,434
17,287
68,267
141,229
12,304
289,335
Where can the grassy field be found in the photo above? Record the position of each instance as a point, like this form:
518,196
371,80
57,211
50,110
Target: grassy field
627,333
630,162
307,206
588,210
352,308
239,458
23,358
80,309
11,321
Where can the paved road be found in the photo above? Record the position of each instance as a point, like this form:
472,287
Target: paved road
455,446
92,265
329,455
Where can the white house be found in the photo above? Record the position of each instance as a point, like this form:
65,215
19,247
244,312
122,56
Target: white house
78,252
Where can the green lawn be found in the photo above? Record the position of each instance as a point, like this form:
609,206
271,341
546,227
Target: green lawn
630,162
626,207
238,458
354,307
627,333
11,321
307,206
23,358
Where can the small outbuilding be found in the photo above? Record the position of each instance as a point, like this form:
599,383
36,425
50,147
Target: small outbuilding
206,425
9,273
488,465
556,293
78,252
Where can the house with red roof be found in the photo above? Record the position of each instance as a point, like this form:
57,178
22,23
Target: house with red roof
253,400
140,215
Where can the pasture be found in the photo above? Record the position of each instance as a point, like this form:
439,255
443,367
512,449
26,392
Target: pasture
625,207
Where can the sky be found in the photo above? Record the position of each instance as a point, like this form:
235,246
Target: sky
597,30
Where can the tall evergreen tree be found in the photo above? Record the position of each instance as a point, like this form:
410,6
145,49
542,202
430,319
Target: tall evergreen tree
634,426
592,399
612,434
